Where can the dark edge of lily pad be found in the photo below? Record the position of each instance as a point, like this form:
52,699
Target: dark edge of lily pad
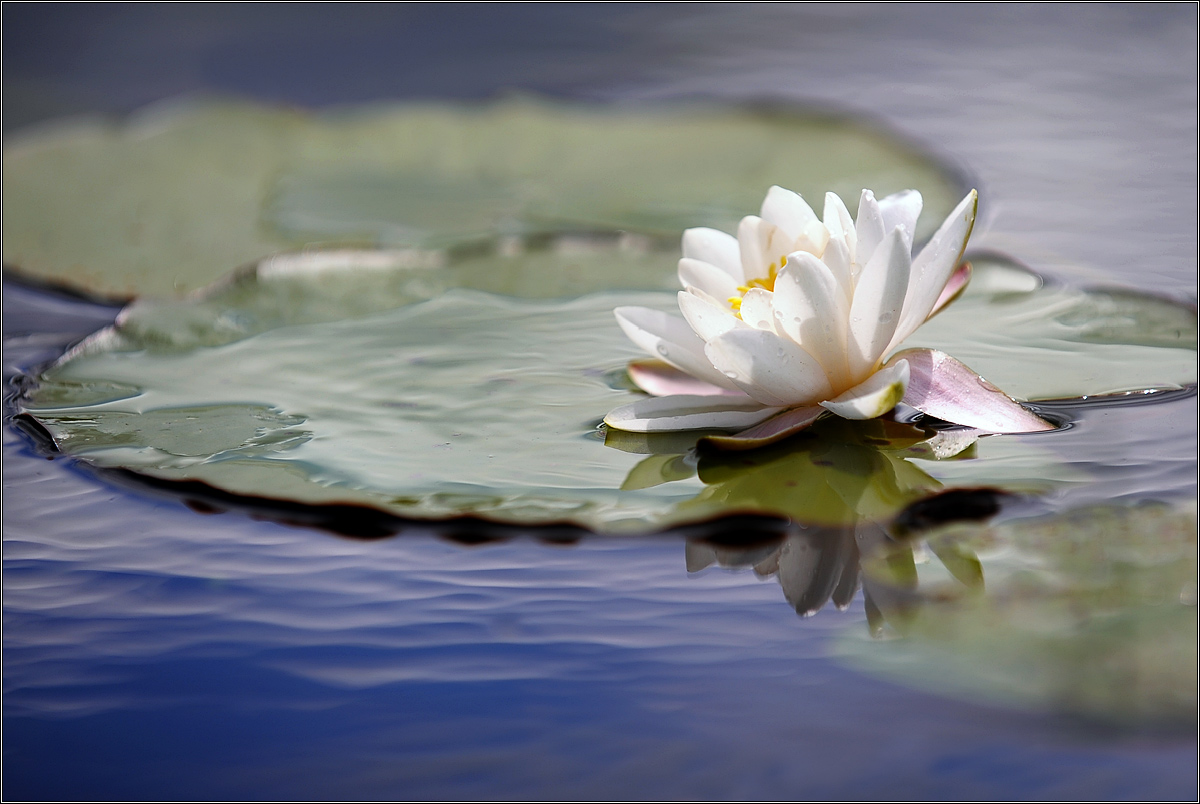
365,523
62,290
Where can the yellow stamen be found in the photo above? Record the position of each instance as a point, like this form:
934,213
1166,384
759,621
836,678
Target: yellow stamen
766,284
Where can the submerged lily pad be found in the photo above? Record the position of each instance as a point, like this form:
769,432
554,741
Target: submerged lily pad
369,378
170,199
1091,613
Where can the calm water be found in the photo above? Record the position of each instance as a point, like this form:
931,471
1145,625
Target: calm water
151,651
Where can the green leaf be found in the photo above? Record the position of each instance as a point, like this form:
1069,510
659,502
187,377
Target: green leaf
1092,612
359,377
1058,342
177,195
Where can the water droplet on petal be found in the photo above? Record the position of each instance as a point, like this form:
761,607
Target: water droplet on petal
662,349
730,374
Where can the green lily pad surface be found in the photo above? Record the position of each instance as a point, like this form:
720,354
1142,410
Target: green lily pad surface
174,197
368,378
1092,612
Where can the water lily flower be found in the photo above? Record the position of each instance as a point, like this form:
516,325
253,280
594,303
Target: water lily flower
799,315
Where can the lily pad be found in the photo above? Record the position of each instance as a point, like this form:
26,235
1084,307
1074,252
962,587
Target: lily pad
1056,342
358,377
1091,613
168,200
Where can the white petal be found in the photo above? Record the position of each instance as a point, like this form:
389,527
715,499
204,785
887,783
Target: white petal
753,261
878,301
770,368
666,413
708,278
901,209
669,338
706,318
837,258
713,300
868,228
763,245
812,310
931,269
757,309
814,239
788,211
873,397
839,223
715,248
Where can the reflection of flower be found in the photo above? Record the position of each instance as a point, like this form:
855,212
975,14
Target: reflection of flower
838,473
818,565
796,316
847,489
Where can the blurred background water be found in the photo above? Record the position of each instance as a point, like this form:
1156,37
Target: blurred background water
150,651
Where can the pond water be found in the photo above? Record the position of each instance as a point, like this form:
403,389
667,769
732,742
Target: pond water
159,648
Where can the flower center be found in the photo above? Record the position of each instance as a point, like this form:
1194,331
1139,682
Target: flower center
766,284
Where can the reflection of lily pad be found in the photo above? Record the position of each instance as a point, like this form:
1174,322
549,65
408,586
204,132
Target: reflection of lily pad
391,391
171,199
835,474
1093,612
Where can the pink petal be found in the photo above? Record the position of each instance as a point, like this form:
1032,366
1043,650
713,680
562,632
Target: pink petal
662,379
954,288
773,429
943,387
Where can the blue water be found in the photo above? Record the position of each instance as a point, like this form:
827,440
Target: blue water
151,651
